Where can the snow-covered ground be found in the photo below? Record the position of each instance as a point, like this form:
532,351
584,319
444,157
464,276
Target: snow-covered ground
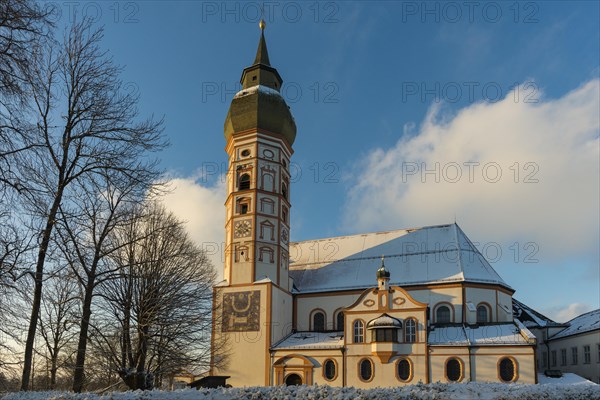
569,387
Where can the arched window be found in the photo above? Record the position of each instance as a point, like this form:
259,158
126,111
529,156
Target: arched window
453,370
365,369
507,370
318,321
284,190
244,182
339,321
442,314
482,314
410,331
403,369
329,370
293,380
359,331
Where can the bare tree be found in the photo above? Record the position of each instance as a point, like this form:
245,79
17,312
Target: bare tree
87,242
158,312
59,308
84,125
14,246
24,28
22,24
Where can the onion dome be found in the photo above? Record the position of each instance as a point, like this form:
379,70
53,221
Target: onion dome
259,105
383,273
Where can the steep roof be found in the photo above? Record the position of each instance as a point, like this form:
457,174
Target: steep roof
587,322
530,317
433,254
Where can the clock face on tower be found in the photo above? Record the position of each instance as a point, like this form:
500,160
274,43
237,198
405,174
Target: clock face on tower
242,229
284,235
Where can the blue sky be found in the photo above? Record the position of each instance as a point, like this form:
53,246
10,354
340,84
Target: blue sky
378,89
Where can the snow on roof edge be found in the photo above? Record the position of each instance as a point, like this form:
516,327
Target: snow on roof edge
372,233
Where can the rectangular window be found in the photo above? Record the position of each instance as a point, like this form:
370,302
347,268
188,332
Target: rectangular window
563,357
574,355
359,332
410,331
544,359
553,358
598,360
587,355
384,335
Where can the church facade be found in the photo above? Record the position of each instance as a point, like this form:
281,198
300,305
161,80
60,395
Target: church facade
377,309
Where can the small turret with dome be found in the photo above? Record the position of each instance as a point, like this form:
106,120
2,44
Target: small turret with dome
259,104
383,276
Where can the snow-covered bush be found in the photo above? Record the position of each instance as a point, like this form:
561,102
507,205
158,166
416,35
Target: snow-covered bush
439,391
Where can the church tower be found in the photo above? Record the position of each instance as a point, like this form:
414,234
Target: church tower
259,133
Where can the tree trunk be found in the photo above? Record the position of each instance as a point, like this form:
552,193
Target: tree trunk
78,376
37,292
53,368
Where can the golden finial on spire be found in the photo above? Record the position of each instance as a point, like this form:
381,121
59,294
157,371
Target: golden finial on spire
262,24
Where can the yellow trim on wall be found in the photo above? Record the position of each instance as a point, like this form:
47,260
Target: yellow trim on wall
411,366
372,369
462,368
336,369
516,369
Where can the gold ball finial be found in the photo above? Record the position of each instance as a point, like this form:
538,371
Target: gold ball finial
262,24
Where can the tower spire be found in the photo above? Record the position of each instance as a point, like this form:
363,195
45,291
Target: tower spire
262,55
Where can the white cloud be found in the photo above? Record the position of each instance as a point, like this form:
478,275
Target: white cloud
201,207
567,313
553,141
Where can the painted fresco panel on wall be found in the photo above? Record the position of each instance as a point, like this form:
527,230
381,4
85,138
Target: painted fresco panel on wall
241,311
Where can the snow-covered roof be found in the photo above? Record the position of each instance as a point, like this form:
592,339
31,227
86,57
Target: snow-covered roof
482,335
257,88
311,340
384,320
530,317
434,254
587,322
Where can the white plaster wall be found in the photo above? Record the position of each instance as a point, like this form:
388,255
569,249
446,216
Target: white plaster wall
281,314
245,346
305,305
589,371
434,296
477,296
504,308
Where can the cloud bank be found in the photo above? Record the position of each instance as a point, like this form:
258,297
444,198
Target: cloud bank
201,207
507,171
